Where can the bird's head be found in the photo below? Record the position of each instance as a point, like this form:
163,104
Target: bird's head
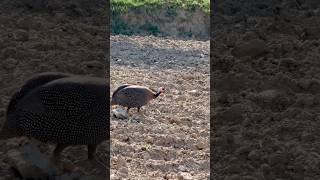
161,91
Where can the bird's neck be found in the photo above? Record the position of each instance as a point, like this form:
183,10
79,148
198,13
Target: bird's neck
157,94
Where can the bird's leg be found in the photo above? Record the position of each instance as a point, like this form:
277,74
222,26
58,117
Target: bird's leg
139,112
128,110
91,151
57,151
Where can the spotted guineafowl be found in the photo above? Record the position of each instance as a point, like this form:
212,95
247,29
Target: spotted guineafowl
133,96
66,111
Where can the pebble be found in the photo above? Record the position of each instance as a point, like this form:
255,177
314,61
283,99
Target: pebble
22,36
184,176
30,163
9,63
146,155
201,145
254,155
149,140
182,168
120,113
9,52
123,172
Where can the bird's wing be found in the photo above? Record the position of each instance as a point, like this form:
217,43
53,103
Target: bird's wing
66,101
31,84
119,88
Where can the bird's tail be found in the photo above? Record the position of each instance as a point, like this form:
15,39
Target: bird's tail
113,102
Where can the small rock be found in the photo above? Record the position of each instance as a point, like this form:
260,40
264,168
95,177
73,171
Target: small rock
149,140
146,155
184,176
201,145
123,171
120,113
254,155
30,163
193,91
182,168
269,95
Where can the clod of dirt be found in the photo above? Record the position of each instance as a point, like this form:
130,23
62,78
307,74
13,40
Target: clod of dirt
94,68
252,48
289,64
123,172
22,36
28,24
254,155
9,52
232,114
149,140
120,113
9,64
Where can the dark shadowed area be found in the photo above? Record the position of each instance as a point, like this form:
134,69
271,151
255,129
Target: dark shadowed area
265,90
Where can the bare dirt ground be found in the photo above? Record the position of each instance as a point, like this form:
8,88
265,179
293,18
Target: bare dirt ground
265,72
68,38
172,138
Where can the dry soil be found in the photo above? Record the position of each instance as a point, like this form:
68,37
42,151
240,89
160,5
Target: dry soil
171,139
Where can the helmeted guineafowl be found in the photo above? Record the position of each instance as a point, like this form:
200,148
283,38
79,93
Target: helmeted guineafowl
66,111
131,96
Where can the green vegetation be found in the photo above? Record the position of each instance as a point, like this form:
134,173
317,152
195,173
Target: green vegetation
151,28
118,6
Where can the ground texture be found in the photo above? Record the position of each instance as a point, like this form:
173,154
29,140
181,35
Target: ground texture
265,84
36,38
172,138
